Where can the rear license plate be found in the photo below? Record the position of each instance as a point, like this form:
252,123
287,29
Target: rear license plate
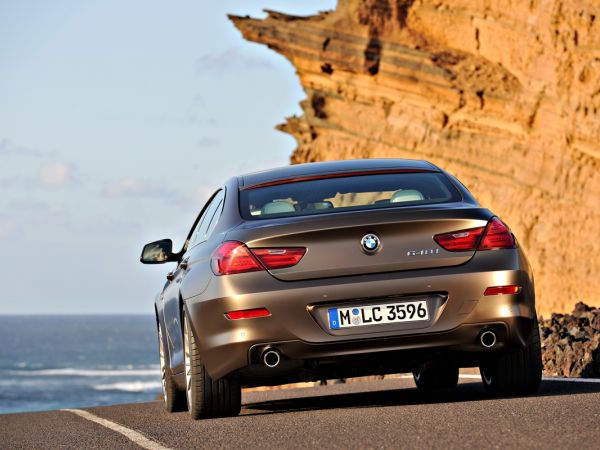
358,316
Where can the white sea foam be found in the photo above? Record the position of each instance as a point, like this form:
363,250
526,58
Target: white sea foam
85,372
130,386
26,384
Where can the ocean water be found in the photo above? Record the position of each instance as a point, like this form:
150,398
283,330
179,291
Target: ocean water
53,362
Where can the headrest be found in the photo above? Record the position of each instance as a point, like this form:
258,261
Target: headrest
406,195
320,205
278,207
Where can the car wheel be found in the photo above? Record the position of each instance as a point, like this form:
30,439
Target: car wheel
436,378
207,397
174,398
517,371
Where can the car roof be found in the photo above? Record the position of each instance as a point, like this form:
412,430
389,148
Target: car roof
331,167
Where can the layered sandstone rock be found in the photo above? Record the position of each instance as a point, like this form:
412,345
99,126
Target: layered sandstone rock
504,94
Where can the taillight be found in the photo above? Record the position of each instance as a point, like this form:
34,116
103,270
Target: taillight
279,258
460,241
494,236
248,314
497,235
502,290
233,257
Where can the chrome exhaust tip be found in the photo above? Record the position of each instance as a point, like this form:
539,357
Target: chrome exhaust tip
488,339
271,359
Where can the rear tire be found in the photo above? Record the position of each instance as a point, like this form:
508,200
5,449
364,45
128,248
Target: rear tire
207,397
436,378
518,371
173,397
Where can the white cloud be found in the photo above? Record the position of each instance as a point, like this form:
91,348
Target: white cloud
230,60
10,148
133,187
55,174
6,228
199,195
7,183
206,141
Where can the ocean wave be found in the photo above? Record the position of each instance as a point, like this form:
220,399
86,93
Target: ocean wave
130,386
69,371
26,384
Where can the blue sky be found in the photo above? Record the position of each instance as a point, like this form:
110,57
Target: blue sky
117,120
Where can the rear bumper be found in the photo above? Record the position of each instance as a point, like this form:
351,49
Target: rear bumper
236,347
302,361
511,332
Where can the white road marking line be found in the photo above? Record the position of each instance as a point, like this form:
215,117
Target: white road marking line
130,434
478,377
573,380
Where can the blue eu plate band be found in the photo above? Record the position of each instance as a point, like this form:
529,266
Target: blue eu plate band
334,319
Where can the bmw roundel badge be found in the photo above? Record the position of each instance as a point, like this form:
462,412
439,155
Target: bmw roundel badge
370,243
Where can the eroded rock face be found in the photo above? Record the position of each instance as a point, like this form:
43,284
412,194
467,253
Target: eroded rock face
505,95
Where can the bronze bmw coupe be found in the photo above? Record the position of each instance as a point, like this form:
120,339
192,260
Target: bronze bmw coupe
343,269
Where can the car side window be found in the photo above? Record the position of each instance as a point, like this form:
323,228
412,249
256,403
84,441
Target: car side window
202,228
194,235
215,218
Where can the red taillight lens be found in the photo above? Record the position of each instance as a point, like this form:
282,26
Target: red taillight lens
497,235
233,257
278,258
500,290
460,241
248,314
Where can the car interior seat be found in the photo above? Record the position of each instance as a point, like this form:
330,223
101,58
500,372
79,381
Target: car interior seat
319,205
278,207
406,195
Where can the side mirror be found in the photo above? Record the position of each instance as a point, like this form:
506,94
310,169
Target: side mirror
158,252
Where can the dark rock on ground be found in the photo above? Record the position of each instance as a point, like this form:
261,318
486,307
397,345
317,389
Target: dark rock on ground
571,343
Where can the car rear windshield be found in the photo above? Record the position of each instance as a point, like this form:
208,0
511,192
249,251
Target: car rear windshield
348,193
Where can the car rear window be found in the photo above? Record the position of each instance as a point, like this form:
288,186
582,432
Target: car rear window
323,196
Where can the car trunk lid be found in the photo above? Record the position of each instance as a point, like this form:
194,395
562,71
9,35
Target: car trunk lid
333,241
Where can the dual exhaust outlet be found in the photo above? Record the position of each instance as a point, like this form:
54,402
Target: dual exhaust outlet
271,357
488,339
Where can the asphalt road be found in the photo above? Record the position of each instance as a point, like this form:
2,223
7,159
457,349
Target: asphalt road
380,414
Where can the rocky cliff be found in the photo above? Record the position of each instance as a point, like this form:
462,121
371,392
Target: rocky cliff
504,94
